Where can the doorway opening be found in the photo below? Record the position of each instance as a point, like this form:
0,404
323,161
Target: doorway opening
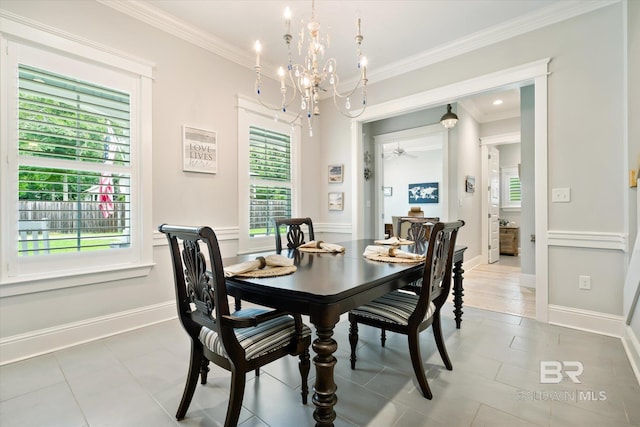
404,158
534,74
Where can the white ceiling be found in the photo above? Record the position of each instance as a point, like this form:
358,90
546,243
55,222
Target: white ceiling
399,35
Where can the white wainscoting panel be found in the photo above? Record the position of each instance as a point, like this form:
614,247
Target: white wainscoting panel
588,239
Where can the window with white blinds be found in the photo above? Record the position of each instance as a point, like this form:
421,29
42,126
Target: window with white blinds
511,189
75,181
270,177
73,164
268,173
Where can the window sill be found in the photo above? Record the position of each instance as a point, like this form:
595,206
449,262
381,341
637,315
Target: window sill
511,209
45,282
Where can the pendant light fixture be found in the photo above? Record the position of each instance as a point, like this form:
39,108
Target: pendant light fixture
449,119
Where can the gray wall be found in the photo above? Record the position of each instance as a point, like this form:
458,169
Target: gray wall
192,86
585,128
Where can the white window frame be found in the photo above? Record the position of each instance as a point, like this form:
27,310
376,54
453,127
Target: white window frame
506,203
46,49
251,113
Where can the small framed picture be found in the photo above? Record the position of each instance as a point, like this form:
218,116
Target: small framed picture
336,201
470,184
387,191
335,173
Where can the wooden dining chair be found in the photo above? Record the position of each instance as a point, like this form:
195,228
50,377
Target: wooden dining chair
415,228
418,230
239,342
294,233
409,313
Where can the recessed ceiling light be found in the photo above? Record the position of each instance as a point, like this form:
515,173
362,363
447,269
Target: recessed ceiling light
497,102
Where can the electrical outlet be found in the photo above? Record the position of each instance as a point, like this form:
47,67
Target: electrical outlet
562,195
584,282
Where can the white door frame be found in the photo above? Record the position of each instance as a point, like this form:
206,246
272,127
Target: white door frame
507,138
531,73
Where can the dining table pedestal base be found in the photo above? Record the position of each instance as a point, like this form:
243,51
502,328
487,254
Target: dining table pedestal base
324,391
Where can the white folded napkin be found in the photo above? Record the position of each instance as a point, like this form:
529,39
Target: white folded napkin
319,244
273,260
393,241
373,251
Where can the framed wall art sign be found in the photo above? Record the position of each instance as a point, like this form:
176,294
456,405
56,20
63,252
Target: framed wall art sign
427,192
199,150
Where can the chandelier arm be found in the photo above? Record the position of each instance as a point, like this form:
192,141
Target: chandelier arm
351,116
277,109
346,95
270,107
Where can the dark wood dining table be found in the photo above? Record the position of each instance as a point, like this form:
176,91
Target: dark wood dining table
326,285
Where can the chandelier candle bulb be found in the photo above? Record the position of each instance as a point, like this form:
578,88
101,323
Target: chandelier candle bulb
363,63
258,48
287,19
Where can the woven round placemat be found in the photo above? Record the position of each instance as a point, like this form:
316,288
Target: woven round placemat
383,258
270,272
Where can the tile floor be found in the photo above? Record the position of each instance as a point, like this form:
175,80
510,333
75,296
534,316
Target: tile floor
137,378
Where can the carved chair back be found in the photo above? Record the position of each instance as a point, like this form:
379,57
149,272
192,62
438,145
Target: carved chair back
201,292
294,232
436,279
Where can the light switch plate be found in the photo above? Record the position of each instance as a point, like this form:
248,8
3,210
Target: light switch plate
561,195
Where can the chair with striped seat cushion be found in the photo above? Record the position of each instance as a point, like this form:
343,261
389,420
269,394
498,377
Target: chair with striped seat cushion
409,313
256,341
239,342
394,307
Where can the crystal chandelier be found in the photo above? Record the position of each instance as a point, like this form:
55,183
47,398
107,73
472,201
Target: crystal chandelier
307,79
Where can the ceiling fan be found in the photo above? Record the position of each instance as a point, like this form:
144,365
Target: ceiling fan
397,152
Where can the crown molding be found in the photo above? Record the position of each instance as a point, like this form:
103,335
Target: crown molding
148,14
554,13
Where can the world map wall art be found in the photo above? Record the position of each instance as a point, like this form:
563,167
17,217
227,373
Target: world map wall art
427,192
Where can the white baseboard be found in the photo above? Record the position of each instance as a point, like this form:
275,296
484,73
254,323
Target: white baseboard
585,320
35,343
632,348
